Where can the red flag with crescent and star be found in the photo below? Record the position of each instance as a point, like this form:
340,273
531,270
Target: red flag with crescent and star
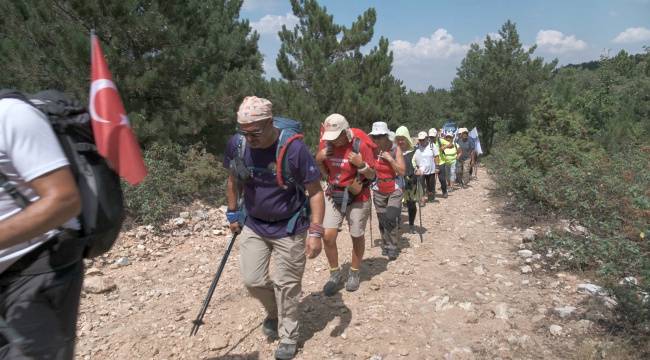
113,135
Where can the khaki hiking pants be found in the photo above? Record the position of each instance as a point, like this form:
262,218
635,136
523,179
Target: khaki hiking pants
462,172
389,209
279,293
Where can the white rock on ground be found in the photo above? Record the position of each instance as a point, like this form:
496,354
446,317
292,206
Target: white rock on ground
555,330
529,235
564,311
591,289
525,253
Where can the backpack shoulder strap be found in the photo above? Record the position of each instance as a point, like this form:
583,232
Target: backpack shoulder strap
283,173
241,145
11,189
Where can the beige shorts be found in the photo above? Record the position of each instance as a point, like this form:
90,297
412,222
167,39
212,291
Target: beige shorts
357,215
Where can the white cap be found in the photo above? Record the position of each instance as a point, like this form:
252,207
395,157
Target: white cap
334,125
463,130
379,128
433,132
422,135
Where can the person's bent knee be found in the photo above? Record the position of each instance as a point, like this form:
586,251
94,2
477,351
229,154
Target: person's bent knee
255,282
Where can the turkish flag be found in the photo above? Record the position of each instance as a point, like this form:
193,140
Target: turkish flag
113,135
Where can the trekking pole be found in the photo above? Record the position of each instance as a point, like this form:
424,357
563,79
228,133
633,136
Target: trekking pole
420,195
372,242
199,318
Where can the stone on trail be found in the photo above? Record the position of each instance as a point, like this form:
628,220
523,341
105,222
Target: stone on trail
565,311
93,271
479,270
218,342
526,269
98,285
591,289
501,311
525,253
555,330
123,261
529,235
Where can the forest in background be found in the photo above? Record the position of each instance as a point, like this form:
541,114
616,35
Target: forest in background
567,142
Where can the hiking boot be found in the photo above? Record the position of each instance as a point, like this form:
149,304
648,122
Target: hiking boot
334,283
444,195
353,281
392,255
286,351
412,229
270,328
384,252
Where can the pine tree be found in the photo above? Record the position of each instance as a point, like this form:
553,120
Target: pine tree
324,60
181,67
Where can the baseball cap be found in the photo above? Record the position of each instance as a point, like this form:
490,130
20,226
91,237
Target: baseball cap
462,130
333,125
422,135
433,132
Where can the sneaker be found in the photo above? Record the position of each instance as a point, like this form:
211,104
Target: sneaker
392,255
444,195
384,252
270,328
412,229
333,285
286,351
353,281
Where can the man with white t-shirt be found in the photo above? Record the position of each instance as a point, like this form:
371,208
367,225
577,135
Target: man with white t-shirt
40,274
425,159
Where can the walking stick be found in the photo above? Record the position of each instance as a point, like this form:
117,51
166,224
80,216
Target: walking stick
372,241
199,318
420,195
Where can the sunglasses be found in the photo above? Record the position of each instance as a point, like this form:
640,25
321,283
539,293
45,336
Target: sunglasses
256,133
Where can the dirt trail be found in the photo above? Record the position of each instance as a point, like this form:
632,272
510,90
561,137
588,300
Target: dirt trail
460,294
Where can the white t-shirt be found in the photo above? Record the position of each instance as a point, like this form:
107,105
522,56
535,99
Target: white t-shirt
423,159
28,149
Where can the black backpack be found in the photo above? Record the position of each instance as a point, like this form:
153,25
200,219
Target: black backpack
102,211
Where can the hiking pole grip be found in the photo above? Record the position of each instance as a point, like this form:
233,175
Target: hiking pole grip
199,318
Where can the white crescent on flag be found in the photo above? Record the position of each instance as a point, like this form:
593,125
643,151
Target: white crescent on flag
95,87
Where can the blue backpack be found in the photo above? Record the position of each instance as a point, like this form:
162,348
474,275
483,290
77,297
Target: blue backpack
290,130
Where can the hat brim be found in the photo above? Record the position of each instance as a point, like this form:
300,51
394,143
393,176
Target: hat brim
332,135
372,133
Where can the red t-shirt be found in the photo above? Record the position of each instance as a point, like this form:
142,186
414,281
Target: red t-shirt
341,172
385,176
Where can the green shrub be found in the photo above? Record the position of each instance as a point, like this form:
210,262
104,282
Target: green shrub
555,166
176,176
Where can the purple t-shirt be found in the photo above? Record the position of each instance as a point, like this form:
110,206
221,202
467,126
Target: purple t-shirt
268,206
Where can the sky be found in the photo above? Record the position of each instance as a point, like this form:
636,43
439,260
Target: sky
429,38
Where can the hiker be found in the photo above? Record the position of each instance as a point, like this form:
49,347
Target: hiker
425,159
347,162
450,151
466,156
436,141
409,190
387,194
40,275
277,222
